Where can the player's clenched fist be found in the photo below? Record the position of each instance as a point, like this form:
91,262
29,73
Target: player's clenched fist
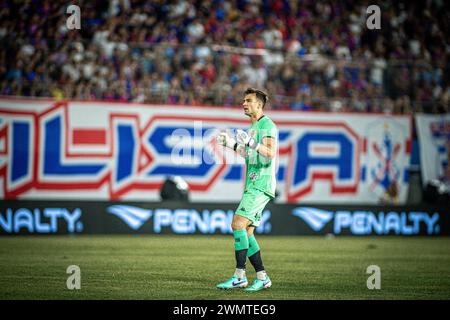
224,139
242,137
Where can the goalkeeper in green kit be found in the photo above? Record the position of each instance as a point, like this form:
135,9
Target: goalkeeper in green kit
259,148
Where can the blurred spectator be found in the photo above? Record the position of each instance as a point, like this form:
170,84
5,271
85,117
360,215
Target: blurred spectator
309,55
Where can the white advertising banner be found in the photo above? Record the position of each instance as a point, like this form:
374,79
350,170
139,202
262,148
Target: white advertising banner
118,151
433,132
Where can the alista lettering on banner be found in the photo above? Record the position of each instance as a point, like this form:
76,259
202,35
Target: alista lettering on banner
51,150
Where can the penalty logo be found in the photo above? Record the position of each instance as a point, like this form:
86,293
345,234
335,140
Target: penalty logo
183,220
315,218
362,222
134,217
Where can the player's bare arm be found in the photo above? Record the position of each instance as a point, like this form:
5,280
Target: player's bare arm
268,147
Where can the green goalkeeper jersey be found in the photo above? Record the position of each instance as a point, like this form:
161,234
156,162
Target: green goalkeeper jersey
261,171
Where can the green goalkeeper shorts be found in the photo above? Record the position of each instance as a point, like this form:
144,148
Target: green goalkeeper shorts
252,204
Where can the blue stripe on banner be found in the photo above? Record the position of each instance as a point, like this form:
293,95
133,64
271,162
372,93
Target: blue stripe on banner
21,147
406,175
363,173
283,135
415,153
281,172
235,173
53,150
127,147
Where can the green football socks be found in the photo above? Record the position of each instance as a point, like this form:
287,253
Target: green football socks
240,247
253,246
240,239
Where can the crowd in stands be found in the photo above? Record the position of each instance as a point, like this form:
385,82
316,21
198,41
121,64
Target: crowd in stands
308,55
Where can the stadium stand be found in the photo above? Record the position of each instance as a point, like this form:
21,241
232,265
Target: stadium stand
309,55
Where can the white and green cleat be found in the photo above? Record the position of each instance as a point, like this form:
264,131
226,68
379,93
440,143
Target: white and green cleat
233,283
259,285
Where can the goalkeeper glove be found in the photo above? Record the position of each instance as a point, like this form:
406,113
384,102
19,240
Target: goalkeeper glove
242,137
224,139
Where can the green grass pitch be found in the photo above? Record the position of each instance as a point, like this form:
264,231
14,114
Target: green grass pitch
188,267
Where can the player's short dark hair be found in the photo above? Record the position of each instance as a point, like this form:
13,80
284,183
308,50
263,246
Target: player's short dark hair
260,95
